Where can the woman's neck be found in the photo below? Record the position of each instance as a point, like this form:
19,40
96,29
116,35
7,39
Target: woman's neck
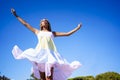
45,30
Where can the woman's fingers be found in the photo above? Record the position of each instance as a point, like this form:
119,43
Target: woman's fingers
79,25
13,10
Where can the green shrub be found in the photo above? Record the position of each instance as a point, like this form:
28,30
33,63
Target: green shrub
108,76
102,76
83,78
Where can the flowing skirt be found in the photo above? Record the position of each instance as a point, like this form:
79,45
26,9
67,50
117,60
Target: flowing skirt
44,59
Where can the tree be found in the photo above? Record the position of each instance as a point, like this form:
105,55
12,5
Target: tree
83,78
4,78
108,76
103,76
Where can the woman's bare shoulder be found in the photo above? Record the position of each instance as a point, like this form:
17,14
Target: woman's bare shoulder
37,31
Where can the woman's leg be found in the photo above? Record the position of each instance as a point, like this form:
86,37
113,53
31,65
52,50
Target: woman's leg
42,75
50,77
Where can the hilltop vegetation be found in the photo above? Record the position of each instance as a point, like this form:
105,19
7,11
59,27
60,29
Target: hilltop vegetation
4,77
102,76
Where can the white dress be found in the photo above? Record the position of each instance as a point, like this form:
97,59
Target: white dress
45,56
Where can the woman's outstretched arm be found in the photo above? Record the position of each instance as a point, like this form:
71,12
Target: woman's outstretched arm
24,22
56,34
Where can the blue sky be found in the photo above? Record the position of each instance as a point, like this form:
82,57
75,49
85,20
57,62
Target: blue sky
96,45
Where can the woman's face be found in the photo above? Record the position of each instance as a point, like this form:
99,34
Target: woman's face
44,24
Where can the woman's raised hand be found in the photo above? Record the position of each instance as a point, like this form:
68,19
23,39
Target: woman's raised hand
79,25
13,11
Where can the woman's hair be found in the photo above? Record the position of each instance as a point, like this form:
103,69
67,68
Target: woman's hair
49,26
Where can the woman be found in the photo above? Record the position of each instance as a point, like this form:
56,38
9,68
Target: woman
47,62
